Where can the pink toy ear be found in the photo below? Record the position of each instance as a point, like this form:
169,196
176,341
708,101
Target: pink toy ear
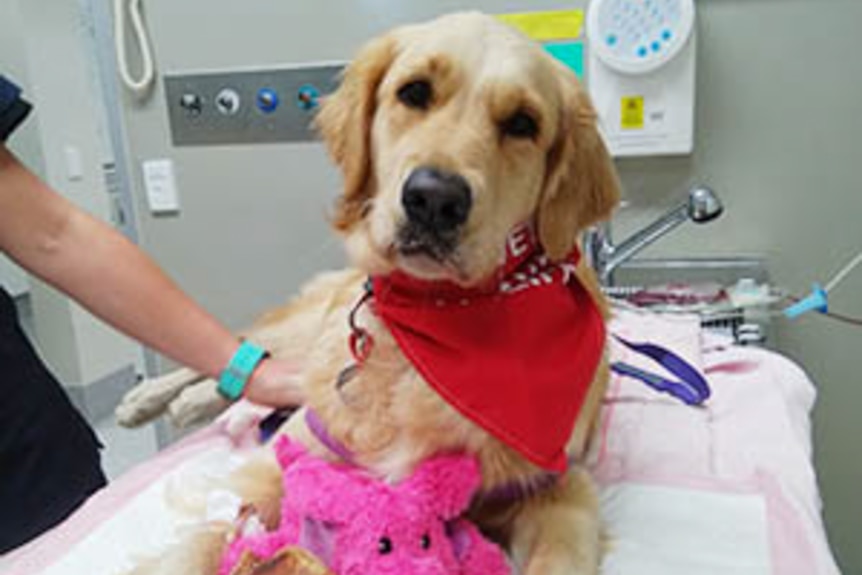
446,482
288,451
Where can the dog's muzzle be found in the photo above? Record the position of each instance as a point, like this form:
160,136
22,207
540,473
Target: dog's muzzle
437,204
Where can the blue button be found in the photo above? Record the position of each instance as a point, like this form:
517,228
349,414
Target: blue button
656,46
267,100
612,39
642,52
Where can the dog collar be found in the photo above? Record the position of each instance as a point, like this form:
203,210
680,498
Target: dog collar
504,494
321,434
515,491
272,422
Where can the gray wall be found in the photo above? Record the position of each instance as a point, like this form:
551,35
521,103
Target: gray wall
778,127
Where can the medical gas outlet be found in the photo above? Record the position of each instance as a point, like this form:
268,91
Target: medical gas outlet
247,106
267,100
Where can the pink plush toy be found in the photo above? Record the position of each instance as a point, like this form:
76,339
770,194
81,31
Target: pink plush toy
359,525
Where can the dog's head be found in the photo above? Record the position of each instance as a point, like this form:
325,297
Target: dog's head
451,133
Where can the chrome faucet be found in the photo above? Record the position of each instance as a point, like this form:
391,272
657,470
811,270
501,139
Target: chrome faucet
701,207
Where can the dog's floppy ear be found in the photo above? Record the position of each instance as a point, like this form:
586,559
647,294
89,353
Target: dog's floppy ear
581,185
344,122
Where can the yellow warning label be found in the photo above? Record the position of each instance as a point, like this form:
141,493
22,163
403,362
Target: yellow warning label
544,26
632,113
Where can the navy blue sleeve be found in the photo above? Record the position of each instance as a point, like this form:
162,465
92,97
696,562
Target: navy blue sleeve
13,108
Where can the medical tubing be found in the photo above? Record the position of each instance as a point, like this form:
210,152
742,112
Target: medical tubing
847,319
843,273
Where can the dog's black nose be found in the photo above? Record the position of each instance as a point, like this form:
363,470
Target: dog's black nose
436,200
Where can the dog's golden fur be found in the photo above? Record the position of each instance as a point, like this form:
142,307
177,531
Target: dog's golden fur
562,178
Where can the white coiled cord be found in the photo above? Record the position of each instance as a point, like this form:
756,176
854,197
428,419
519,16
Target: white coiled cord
140,85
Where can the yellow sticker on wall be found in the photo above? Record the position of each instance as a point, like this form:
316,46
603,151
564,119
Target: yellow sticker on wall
632,113
544,26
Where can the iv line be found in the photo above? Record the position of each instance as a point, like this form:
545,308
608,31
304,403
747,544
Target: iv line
843,273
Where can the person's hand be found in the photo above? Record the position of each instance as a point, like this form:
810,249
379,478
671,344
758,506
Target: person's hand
275,383
241,419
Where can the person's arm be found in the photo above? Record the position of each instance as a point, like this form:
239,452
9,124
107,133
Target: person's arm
98,267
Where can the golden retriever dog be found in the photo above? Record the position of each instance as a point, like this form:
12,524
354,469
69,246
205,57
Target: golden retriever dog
505,135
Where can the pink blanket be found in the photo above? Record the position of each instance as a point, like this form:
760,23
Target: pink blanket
752,437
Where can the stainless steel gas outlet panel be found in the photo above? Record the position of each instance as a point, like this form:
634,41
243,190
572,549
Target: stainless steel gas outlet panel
247,106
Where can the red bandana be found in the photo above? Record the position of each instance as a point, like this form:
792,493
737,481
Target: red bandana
516,357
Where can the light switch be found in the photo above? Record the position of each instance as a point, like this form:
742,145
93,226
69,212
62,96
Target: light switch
161,186
74,163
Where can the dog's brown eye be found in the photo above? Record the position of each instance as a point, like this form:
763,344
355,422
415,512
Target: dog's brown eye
416,94
520,125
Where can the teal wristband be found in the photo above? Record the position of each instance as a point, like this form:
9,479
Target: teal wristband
235,376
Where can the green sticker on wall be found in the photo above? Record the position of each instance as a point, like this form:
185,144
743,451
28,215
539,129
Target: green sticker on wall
569,53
